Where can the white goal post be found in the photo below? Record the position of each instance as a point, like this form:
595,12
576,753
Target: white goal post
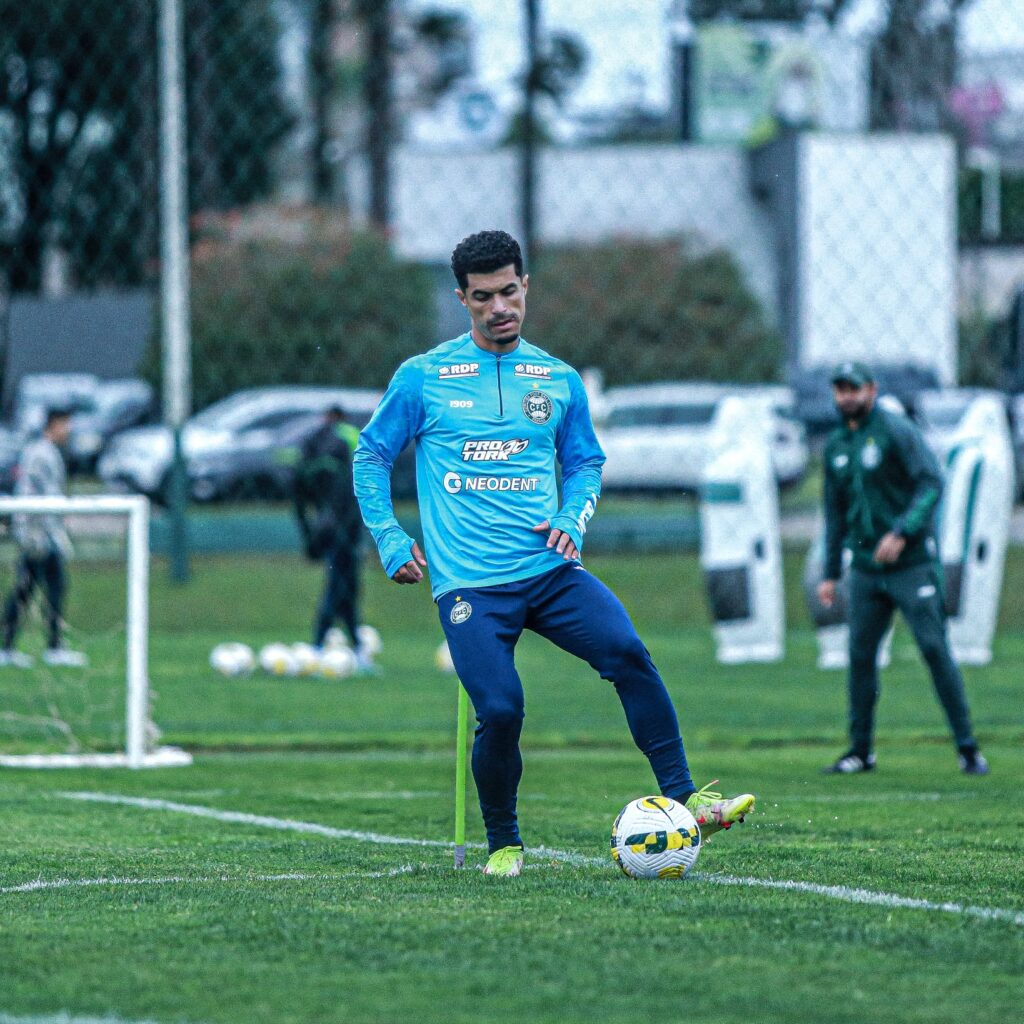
135,755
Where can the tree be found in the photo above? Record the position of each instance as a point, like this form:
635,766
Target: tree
78,131
76,102
913,65
236,114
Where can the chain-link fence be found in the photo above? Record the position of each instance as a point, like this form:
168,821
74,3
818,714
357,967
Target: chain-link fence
726,190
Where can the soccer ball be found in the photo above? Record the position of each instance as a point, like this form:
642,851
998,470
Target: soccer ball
337,663
443,658
307,659
369,640
278,660
655,837
335,638
232,659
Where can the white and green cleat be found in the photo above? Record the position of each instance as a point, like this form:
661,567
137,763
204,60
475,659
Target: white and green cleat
715,812
505,863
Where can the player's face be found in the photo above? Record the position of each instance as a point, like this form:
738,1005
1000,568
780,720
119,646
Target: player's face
60,430
497,306
853,403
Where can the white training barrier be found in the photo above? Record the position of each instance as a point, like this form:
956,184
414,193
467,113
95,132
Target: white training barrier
741,546
831,624
974,527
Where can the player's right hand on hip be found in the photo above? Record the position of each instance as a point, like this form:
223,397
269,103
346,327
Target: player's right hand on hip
412,572
827,592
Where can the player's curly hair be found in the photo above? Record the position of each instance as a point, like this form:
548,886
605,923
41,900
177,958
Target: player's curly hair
484,252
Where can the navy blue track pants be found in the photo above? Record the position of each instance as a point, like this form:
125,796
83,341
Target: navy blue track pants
578,613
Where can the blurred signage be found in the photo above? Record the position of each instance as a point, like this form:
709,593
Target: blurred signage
731,82
752,78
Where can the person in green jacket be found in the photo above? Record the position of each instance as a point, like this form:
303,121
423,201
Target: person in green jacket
882,486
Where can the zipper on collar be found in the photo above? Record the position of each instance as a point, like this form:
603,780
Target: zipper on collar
501,400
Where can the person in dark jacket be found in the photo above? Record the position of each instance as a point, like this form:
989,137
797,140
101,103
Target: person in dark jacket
882,486
331,526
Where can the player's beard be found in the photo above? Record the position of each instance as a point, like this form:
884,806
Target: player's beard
856,411
504,339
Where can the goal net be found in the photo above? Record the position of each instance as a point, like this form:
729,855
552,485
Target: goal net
74,676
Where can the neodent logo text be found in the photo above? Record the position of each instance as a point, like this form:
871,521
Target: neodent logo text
501,483
455,484
493,450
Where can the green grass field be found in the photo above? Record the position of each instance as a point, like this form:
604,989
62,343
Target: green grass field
298,871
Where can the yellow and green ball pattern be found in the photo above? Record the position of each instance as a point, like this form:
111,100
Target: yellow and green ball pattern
655,837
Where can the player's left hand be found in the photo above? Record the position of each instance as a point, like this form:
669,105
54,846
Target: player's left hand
890,547
558,540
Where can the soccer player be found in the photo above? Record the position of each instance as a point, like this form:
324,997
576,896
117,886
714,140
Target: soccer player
491,414
328,517
44,545
882,484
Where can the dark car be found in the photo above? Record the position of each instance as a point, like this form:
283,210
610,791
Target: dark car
99,410
114,406
261,463
813,389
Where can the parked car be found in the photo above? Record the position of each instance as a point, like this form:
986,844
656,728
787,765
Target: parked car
140,459
261,463
115,405
655,436
254,464
816,409
99,410
37,393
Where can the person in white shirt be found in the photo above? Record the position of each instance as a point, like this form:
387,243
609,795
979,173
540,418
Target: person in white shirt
44,545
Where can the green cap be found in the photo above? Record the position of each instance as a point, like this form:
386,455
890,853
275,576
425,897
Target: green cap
853,373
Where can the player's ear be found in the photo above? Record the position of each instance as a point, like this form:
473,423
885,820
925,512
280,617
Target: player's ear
462,295
526,282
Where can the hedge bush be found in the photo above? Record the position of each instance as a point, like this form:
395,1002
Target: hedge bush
644,311
339,310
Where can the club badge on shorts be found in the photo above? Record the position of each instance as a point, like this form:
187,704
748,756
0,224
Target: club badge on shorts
538,407
461,611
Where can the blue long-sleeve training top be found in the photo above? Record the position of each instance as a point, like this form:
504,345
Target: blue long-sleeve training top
488,430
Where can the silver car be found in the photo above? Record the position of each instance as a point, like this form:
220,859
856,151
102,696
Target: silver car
655,436
139,460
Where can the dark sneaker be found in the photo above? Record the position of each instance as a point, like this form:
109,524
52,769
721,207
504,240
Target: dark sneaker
851,763
972,762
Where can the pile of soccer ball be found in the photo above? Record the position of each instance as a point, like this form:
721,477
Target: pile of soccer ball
335,660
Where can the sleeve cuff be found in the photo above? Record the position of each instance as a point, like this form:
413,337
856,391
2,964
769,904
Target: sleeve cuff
567,524
396,553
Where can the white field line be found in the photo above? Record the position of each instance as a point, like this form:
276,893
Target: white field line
114,881
67,1018
844,893
259,820
68,883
